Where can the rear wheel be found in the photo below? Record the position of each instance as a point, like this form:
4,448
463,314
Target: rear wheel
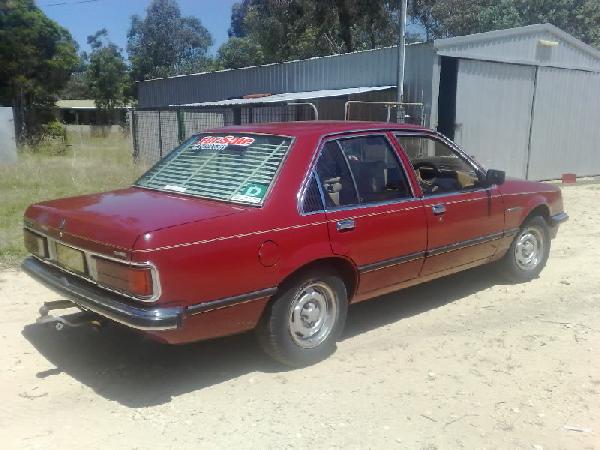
304,321
528,252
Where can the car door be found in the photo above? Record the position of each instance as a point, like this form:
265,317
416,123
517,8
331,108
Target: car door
373,216
465,218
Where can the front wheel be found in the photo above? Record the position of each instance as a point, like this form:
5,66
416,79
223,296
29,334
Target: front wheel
528,252
304,321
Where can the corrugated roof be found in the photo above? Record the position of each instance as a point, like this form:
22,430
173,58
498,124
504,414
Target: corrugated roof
530,45
291,96
76,104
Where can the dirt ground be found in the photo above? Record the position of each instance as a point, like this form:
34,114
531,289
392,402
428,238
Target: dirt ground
462,362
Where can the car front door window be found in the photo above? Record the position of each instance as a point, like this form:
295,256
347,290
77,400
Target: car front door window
439,169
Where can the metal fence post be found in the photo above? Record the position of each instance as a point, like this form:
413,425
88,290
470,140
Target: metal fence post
134,131
160,143
180,126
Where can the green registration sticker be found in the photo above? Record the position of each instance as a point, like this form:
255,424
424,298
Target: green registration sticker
251,193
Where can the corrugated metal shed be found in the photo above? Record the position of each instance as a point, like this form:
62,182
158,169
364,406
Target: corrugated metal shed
366,68
527,100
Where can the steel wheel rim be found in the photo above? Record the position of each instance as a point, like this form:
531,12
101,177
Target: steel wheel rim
312,315
529,249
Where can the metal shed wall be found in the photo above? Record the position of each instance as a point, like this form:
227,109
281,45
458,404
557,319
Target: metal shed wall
565,136
368,68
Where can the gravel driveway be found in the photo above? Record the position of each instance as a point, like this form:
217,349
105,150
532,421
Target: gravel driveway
465,361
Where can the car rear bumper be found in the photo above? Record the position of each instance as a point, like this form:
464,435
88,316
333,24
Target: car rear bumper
109,305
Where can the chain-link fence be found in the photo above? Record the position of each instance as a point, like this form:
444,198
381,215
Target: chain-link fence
158,131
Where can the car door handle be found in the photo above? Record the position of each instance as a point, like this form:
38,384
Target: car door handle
345,225
438,210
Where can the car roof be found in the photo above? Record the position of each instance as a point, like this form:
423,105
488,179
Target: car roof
316,126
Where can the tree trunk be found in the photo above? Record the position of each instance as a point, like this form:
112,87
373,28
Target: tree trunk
345,20
19,115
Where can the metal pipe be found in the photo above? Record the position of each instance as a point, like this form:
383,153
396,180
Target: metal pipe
401,59
312,105
391,104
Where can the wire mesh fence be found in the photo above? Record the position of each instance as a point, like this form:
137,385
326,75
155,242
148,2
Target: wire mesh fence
156,132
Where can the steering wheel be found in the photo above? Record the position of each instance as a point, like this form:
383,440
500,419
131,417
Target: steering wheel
427,165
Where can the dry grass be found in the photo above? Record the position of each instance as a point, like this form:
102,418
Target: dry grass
91,165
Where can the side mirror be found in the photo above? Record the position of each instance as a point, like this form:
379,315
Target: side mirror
494,177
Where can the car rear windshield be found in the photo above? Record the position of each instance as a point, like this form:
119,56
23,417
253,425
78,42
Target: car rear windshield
238,168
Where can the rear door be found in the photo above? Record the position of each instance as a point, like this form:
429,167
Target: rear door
373,216
465,218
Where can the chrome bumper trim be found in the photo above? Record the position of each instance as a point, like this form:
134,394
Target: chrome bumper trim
92,298
230,301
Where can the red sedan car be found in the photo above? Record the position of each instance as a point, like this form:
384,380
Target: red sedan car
278,227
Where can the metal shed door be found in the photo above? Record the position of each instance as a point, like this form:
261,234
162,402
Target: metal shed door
566,119
493,113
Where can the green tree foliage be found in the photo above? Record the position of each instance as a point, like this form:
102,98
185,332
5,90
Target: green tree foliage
283,30
165,43
75,88
36,59
106,74
443,18
239,52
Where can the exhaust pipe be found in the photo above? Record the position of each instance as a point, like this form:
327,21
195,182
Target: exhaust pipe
71,321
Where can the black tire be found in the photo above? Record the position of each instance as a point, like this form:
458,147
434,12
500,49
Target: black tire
513,265
301,297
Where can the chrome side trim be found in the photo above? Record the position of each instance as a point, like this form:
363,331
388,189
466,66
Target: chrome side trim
511,232
391,262
234,236
156,286
464,244
456,193
230,301
434,252
91,298
559,218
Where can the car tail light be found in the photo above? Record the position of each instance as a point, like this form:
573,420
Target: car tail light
35,244
136,281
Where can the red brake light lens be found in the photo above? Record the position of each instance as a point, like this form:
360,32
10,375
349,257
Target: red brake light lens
136,281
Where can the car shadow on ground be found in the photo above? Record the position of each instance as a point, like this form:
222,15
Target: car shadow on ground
121,365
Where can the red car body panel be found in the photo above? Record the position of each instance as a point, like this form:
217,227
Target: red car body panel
207,251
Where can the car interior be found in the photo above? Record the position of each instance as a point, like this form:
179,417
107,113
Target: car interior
438,168
375,170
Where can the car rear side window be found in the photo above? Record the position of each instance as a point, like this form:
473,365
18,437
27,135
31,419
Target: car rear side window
312,197
335,177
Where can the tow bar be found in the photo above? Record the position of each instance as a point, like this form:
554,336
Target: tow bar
73,320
